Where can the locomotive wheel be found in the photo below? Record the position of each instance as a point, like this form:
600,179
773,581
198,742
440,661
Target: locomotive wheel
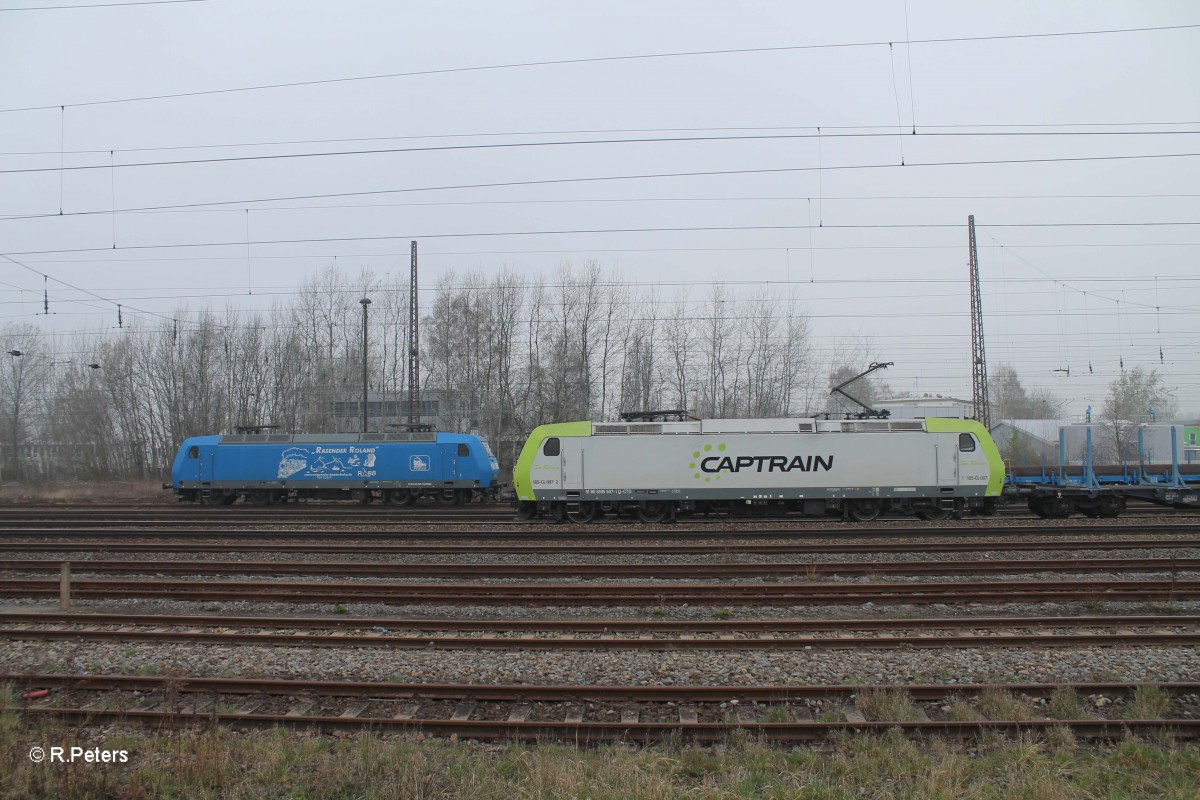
447,497
934,514
583,513
396,497
652,511
526,511
865,510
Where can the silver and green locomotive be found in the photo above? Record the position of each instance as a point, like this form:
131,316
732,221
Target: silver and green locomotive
855,469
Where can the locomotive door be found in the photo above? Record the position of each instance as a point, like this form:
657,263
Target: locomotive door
947,461
571,465
450,455
204,457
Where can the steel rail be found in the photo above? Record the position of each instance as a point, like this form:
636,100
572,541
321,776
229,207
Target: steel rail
608,570
564,692
765,641
619,594
642,732
839,548
519,727
621,533
717,626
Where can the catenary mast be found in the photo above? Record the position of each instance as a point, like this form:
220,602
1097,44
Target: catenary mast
979,380
414,345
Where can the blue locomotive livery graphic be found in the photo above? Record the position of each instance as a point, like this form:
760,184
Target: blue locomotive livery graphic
320,461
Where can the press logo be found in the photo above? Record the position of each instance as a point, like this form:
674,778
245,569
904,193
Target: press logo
71,755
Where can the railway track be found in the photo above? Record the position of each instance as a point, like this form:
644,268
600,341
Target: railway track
584,713
616,594
308,517
1129,630
632,548
594,570
624,534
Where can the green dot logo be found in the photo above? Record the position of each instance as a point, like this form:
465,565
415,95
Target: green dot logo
697,454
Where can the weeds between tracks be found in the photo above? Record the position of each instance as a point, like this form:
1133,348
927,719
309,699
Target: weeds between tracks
224,764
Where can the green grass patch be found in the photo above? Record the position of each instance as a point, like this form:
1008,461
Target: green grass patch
1148,702
1004,706
1067,704
777,714
221,764
885,705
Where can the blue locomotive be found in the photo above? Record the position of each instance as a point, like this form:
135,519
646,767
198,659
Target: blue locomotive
397,468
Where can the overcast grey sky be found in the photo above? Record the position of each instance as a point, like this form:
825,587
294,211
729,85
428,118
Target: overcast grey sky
791,160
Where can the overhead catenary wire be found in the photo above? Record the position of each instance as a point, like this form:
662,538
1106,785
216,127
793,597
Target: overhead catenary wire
961,130
87,292
606,59
581,231
585,142
658,175
896,94
78,6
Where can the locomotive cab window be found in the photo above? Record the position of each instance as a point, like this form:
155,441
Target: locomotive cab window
966,443
551,447
463,450
193,452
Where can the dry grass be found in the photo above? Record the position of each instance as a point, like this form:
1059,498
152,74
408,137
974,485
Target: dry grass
960,710
1067,704
884,705
1148,702
1005,707
221,764
84,492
